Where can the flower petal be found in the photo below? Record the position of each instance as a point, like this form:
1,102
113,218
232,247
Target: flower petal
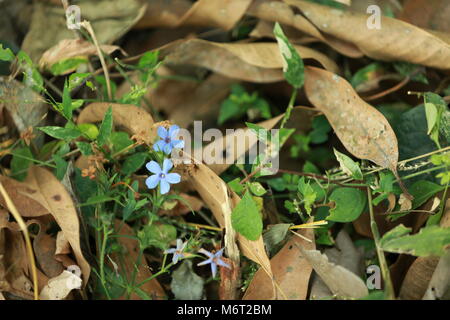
179,144
222,263
173,131
173,178
167,165
165,186
162,132
175,258
167,148
153,167
179,244
170,251
159,146
219,253
207,261
206,253
152,181
214,269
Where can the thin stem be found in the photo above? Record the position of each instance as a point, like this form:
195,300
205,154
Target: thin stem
287,115
381,258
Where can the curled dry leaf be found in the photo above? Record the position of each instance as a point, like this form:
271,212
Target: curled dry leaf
131,246
216,196
396,40
110,20
257,62
439,287
291,272
47,194
44,247
134,120
431,14
280,12
208,13
59,287
362,129
71,48
342,282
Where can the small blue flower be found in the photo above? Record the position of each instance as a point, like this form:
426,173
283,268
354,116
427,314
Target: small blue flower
215,259
178,251
161,176
168,139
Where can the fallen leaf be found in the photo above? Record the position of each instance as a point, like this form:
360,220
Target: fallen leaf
71,48
186,284
256,62
362,129
134,120
291,272
395,40
438,288
59,287
131,246
427,14
342,282
110,20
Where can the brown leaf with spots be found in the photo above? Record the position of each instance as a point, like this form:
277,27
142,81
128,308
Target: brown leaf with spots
134,120
362,129
291,272
257,62
53,196
395,40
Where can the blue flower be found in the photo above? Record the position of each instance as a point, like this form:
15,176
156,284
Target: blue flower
168,139
161,176
215,259
178,251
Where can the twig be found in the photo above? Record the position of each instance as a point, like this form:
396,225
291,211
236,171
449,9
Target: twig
12,208
88,27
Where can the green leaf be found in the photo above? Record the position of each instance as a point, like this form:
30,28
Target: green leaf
369,72
6,54
61,133
85,148
186,284
431,114
246,218
61,166
105,128
119,141
19,163
422,190
435,107
321,127
90,130
67,65
66,102
308,194
293,67
75,79
157,235
257,189
236,185
134,162
349,166
430,241
349,204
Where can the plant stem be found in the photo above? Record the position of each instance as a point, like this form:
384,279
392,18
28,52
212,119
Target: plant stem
381,258
287,115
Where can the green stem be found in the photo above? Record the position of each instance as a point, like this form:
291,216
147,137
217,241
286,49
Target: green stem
381,258
287,115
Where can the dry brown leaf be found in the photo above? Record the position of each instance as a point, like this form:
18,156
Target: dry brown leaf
439,286
134,120
71,48
214,193
342,282
291,273
52,195
395,40
131,247
428,14
257,62
44,247
277,11
208,13
362,129
59,287
190,203
25,107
